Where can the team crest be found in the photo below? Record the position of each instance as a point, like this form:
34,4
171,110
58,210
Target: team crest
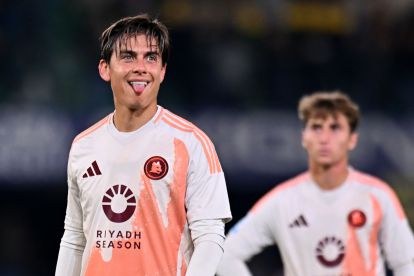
357,218
156,167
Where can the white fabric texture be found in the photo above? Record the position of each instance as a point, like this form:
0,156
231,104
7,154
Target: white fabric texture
208,238
205,259
69,262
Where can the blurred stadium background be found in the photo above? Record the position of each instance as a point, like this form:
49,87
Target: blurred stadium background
237,70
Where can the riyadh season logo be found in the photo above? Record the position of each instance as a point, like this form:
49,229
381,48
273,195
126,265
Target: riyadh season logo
156,167
119,203
330,251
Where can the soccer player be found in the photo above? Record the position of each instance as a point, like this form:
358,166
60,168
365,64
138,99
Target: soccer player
331,220
146,192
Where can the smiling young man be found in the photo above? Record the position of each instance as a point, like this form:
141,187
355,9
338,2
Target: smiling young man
147,194
331,220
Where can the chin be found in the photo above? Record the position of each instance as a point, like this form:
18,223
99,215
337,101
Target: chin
324,163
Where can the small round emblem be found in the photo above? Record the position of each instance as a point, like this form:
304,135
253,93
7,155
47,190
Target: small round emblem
357,218
156,167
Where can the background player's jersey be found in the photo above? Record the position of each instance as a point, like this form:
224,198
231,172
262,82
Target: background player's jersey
327,233
134,195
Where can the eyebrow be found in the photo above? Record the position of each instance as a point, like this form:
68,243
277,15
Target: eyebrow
133,53
335,124
152,53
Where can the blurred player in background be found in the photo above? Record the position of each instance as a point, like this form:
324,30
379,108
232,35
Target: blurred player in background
147,195
331,220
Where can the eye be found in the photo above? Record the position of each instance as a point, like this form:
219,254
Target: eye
315,127
335,127
152,58
127,56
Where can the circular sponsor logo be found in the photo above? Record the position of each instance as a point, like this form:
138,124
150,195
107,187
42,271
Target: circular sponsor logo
156,167
330,251
357,218
119,203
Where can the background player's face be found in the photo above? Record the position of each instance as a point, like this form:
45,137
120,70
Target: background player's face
135,72
328,140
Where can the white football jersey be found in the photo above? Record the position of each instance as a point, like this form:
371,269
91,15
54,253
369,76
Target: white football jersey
348,231
134,194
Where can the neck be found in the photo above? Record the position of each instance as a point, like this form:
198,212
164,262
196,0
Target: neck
126,120
329,177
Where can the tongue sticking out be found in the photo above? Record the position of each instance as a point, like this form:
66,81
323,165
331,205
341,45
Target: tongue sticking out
138,87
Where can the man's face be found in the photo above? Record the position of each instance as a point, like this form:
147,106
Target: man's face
328,140
135,72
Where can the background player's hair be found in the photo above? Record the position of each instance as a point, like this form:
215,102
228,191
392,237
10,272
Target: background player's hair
118,33
322,104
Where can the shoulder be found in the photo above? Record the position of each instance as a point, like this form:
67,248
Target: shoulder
179,124
199,144
378,188
370,182
185,130
283,188
92,130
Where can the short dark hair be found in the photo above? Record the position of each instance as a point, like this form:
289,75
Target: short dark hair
117,34
323,104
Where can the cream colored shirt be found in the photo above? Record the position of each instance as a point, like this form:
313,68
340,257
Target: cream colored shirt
132,196
349,231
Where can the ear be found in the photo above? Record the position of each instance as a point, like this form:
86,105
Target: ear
103,69
303,139
163,70
353,141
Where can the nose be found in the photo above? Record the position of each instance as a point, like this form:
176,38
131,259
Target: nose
324,136
139,66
